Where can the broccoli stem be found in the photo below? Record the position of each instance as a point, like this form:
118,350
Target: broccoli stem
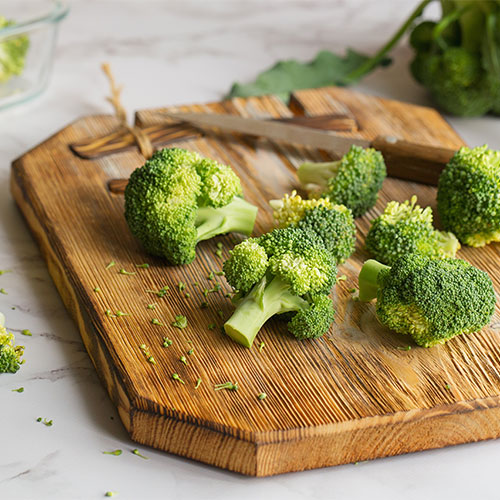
270,296
448,243
238,216
318,173
368,279
374,61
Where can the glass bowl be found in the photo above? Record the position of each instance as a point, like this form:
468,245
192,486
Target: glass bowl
28,32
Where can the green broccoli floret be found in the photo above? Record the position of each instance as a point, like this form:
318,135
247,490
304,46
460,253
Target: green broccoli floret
457,82
10,355
353,181
177,199
468,198
430,300
332,223
285,271
12,53
405,228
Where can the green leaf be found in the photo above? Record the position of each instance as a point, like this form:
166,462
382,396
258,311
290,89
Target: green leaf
284,77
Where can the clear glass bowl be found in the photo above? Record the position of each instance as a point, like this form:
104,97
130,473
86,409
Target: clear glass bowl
27,46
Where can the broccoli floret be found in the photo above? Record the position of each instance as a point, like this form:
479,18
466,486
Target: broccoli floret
12,53
177,199
285,271
353,181
10,355
468,198
405,228
332,223
430,300
457,82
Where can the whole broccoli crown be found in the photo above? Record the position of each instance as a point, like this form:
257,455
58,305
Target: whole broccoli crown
358,180
334,224
468,198
219,184
434,300
313,321
246,266
12,53
10,355
405,228
163,196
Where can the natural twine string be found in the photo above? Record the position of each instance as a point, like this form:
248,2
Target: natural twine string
145,146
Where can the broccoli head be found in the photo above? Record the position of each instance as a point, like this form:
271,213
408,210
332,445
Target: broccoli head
332,223
405,228
285,271
177,199
430,300
468,198
10,355
353,181
12,53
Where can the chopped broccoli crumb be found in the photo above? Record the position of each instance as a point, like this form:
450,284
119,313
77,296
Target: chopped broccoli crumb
343,277
121,313
115,453
151,306
136,452
405,348
97,289
2,290
211,326
27,333
167,342
447,386
187,295
20,389
126,273
111,264
3,271
156,322
44,421
181,286
190,352
198,383
204,305
262,396
180,321
175,376
183,359
227,386
161,292
110,493
142,266
261,346
148,355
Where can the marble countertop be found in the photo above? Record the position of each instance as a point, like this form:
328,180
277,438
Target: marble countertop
168,52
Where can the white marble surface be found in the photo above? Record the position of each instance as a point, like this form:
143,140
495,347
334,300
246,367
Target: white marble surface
176,52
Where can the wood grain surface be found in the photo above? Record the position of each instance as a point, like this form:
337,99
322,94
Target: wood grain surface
353,395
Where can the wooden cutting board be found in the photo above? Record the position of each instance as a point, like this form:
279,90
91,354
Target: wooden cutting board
353,395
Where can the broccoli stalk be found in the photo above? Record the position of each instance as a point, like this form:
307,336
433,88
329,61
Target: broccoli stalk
238,216
368,279
353,181
272,295
314,175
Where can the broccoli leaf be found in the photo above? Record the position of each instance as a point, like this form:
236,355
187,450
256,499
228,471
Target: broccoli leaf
284,77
